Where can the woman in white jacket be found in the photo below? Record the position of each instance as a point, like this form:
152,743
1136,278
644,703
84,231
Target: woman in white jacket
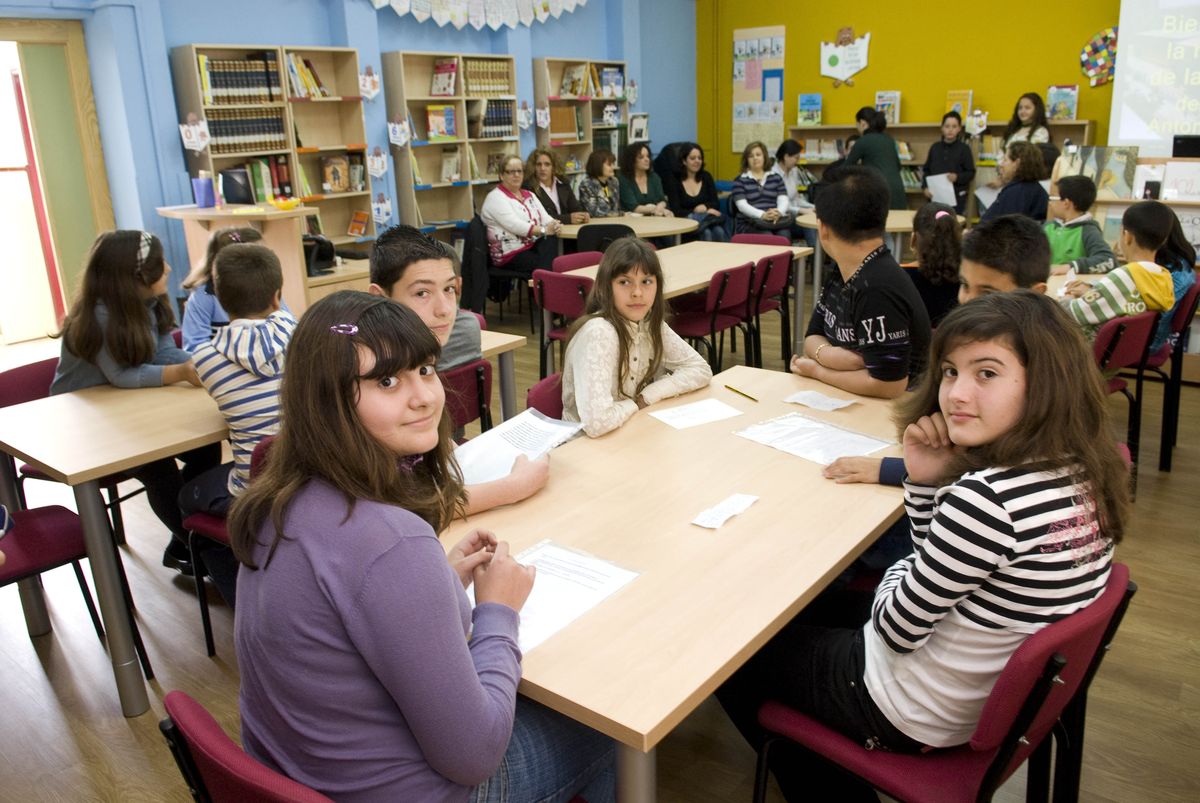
521,233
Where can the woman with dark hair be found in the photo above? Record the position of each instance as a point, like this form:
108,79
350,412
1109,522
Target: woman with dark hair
544,178
691,192
1021,169
951,156
600,192
1028,123
1016,498
878,150
367,673
937,242
641,188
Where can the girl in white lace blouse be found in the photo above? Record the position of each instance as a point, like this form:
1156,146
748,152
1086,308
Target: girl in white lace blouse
622,356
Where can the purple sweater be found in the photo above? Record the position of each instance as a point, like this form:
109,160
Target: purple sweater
358,678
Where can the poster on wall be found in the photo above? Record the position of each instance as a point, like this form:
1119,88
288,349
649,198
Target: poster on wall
757,86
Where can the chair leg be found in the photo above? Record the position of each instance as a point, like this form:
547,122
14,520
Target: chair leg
760,770
114,512
1068,756
785,331
1037,779
1170,418
201,594
87,598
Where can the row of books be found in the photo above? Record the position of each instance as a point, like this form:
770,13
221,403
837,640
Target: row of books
911,176
586,80
303,78
487,77
263,178
497,119
232,131
249,80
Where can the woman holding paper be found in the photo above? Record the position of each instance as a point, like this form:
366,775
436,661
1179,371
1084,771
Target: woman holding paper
352,613
950,157
622,356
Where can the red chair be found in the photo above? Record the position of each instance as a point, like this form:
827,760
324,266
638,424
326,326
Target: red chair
724,309
31,382
581,259
482,320
546,396
45,538
1041,680
761,239
469,393
1173,350
1125,343
214,767
769,293
562,295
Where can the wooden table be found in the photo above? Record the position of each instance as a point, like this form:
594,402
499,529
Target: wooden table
502,345
690,267
79,437
282,232
643,226
705,600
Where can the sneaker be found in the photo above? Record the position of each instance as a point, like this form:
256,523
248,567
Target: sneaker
176,556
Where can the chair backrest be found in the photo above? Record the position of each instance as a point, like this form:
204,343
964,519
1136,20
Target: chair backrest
177,335
561,293
580,259
258,458
1124,342
214,767
469,393
27,383
546,396
475,263
1026,700
1185,310
729,290
761,239
598,236
771,276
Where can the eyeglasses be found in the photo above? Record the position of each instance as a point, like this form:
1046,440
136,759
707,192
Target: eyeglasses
514,172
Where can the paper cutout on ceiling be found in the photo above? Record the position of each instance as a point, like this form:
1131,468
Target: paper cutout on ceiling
1098,59
477,13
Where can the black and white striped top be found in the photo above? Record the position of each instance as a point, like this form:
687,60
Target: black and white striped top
998,555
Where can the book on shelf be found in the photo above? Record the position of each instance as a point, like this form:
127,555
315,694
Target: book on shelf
302,184
358,223
472,166
254,79
911,176
445,73
593,87
442,124
487,77
260,180
959,100
495,161
904,150
562,123
451,169
358,173
574,80
335,174
246,130
809,109
303,78
416,169
612,82
888,102
1062,101
284,175
989,147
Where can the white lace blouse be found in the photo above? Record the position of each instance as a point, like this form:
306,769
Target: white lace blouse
589,383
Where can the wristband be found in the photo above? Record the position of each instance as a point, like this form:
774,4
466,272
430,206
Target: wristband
817,355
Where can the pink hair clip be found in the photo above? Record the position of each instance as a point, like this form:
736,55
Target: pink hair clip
235,237
941,213
344,329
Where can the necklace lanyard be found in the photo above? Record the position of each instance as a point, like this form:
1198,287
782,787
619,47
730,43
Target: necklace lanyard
881,249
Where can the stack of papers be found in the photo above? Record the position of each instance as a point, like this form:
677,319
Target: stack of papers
811,439
490,456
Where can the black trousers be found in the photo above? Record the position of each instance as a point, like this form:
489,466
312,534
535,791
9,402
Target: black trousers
209,493
164,479
815,665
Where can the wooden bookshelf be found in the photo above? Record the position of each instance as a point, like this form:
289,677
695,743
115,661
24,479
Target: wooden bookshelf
431,194
307,131
577,124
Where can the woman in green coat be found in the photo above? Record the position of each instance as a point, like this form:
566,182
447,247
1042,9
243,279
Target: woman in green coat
876,149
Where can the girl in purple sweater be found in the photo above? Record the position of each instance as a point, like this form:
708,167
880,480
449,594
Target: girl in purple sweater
365,672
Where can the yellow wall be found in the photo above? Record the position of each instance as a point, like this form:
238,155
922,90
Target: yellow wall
997,50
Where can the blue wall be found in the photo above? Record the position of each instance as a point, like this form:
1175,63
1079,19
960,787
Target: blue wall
128,44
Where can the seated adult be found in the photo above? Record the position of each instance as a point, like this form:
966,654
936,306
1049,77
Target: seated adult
870,331
519,229
691,192
759,196
1022,169
878,150
641,188
600,192
544,177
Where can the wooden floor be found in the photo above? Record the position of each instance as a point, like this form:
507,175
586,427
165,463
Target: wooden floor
64,738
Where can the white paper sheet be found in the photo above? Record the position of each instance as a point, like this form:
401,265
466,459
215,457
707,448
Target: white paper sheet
1067,279
726,509
941,189
986,195
568,584
695,414
490,456
818,401
811,439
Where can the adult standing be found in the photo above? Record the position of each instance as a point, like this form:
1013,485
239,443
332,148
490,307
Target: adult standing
878,150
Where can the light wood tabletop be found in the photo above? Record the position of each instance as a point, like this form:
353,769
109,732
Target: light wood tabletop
705,600
497,343
898,221
642,225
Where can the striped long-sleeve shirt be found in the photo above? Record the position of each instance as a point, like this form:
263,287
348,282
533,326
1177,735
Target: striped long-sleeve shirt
1129,290
241,369
998,555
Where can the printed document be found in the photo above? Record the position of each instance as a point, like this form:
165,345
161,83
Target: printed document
811,439
490,456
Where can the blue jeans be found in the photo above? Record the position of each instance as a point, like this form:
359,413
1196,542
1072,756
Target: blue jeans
551,759
714,231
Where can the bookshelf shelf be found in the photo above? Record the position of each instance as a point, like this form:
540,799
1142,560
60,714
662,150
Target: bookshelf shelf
304,98
579,113
436,178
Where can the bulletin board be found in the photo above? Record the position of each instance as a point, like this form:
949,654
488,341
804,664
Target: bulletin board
757,86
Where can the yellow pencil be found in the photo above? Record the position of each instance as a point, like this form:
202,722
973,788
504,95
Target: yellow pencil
740,393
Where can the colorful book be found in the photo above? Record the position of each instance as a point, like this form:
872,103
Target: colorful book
445,73
442,124
1062,101
612,82
888,102
574,80
809,109
335,173
358,223
416,170
959,100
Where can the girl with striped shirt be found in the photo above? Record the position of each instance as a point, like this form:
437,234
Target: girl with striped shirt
1014,505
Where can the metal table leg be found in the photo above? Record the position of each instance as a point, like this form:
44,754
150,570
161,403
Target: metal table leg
33,602
508,386
636,775
102,556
